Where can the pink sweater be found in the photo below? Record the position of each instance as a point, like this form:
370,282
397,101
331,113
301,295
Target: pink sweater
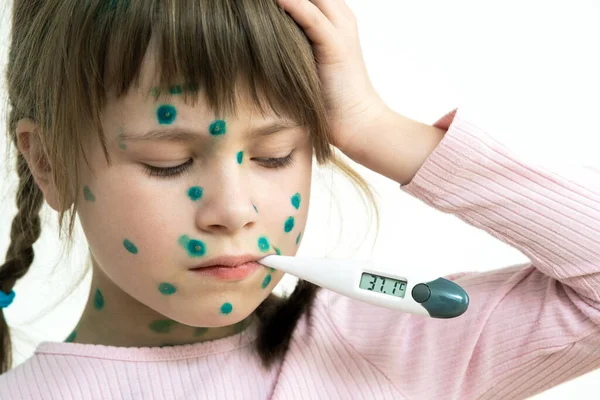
528,327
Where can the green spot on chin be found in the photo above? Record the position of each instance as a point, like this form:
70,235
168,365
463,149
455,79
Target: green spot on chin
130,246
71,337
166,114
98,300
226,308
263,244
161,325
199,331
195,193
296,199
298,238
266,281
88,195
289,225
195,248
240,157
218,127
166,288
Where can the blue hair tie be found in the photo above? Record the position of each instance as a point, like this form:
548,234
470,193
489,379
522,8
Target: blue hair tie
6,299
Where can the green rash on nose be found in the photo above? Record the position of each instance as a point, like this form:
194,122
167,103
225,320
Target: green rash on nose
166,114
130,246
199,331
195,193
71,337
218,127
161,325
98,300
289,225
166,288
263,244
296,200
266,281
226,308
194,248
240,157
88,195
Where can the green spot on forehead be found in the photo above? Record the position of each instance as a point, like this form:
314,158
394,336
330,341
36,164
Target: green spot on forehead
177,89
195,193
166,114
130,246
199,331
166,288
226,308
218,127
263,244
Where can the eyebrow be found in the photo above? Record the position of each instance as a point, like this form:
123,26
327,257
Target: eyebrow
187,135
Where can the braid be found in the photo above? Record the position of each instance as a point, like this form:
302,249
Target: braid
278,319
25,230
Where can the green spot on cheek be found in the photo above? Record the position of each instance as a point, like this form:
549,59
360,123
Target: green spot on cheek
296,200
289,224
71,337
240,157
200,331
166,114
98,300
161,325
277,251
263,244
255,209
226,308
166,288
266,281
195,248
195,193
298,238
218,127
130,246
88,195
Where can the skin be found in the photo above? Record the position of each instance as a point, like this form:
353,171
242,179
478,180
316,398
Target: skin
153,212
132,205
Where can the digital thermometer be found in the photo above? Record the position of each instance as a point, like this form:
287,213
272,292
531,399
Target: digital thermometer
364,281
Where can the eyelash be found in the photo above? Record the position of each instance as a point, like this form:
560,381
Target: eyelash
172,172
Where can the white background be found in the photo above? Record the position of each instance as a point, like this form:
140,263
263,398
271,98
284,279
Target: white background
532,64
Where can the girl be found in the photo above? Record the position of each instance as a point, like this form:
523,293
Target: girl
110,126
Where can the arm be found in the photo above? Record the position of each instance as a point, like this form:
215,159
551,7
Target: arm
528,327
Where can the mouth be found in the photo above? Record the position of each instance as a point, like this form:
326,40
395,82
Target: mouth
227,261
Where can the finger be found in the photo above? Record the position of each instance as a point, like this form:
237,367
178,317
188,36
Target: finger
316,25
335,10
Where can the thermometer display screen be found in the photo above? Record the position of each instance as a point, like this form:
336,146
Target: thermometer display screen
382,284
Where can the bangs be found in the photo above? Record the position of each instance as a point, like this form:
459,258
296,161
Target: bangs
210,46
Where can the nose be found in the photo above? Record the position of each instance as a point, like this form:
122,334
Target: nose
226,206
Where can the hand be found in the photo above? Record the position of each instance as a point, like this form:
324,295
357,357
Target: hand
353,104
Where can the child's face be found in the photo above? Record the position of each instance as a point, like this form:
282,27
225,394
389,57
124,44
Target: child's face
227,198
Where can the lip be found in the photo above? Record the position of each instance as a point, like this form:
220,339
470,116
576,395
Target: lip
227,261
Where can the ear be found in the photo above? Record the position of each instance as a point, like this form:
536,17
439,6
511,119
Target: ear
29,144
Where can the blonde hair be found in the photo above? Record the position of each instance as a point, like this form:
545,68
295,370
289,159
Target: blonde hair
66,55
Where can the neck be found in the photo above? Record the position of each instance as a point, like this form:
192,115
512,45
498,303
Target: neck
114,318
